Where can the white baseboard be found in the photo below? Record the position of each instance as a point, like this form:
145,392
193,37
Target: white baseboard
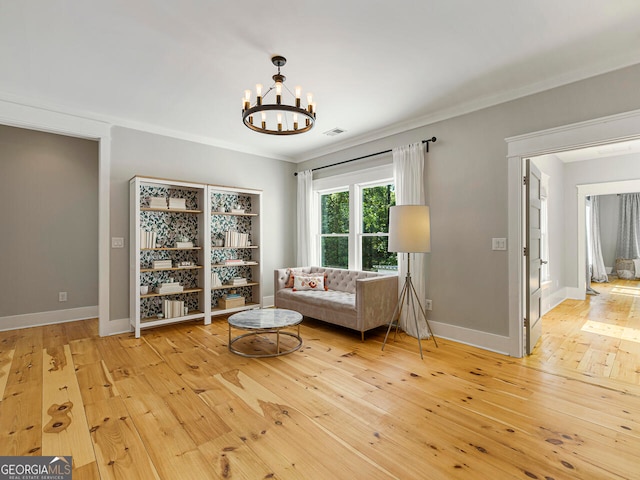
47,318
575,293
268,302
114,327
475,338
553,300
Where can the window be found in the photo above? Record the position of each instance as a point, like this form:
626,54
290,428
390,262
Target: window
376,201
334,232
353,227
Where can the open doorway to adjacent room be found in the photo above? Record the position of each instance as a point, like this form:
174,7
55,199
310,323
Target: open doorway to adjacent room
591,329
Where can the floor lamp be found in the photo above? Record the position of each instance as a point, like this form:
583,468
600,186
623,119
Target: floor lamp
409,232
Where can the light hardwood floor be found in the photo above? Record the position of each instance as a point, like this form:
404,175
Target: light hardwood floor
176,404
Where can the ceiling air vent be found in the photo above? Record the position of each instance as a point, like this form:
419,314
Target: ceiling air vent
334,131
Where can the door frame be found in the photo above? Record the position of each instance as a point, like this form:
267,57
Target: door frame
24,116
604,130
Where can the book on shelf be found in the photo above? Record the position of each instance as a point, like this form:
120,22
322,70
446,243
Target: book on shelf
237,210
215,280
148,239
237,281
177,203
173,308
233,261
161,264
157,202
236,239
184,244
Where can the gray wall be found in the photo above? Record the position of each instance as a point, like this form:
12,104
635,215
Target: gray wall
609,205
49,218
466,183
138,153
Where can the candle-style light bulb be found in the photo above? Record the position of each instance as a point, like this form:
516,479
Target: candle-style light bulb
279,122
295,121
264,120
259,94
298,94
247,99
278,93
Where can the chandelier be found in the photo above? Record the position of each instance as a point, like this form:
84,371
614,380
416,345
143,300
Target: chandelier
278,118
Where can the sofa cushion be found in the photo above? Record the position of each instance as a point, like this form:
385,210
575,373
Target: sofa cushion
308,282
334,299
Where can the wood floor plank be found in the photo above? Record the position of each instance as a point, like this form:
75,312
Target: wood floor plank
21,420
64,423
120,452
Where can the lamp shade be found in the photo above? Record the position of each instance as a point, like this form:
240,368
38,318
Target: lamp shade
409,229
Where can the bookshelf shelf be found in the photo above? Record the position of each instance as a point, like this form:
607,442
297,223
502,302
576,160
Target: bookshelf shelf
168,210
192,267
170,248
227,286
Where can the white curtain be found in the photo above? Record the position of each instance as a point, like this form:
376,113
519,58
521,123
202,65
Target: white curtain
598,269
628,245
408,174
305,219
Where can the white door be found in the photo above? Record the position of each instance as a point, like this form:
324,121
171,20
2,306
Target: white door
533,317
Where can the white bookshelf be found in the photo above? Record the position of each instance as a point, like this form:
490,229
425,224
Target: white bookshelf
241,215
169,225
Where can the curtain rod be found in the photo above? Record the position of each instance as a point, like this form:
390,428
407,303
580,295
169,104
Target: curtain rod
432,139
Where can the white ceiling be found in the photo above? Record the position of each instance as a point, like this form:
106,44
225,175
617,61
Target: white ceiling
375,67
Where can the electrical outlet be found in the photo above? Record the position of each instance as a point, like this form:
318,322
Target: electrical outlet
117,242
427,304
62,296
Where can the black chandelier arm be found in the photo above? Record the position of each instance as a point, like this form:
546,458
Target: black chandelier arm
250,112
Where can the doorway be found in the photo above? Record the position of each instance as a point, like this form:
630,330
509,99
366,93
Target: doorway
23,116
593,133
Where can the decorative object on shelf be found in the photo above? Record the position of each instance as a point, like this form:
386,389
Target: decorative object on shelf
184,242
221,209
169,287
160,264
219,242
409,232
144,289
278,118
231,301
157,202
215,280
234,261
177,203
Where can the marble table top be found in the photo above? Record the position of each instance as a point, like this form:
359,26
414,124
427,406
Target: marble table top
265,318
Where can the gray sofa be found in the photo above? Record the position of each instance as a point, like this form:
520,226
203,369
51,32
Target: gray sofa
354,299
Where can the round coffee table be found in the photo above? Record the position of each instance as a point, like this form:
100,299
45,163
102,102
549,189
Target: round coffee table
266,321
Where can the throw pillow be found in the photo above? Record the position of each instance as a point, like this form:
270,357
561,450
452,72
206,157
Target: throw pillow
308,283
291,272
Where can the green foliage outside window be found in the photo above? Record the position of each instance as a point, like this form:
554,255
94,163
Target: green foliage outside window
375,219
335,219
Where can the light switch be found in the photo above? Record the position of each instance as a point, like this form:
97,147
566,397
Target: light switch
117,242
499,244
